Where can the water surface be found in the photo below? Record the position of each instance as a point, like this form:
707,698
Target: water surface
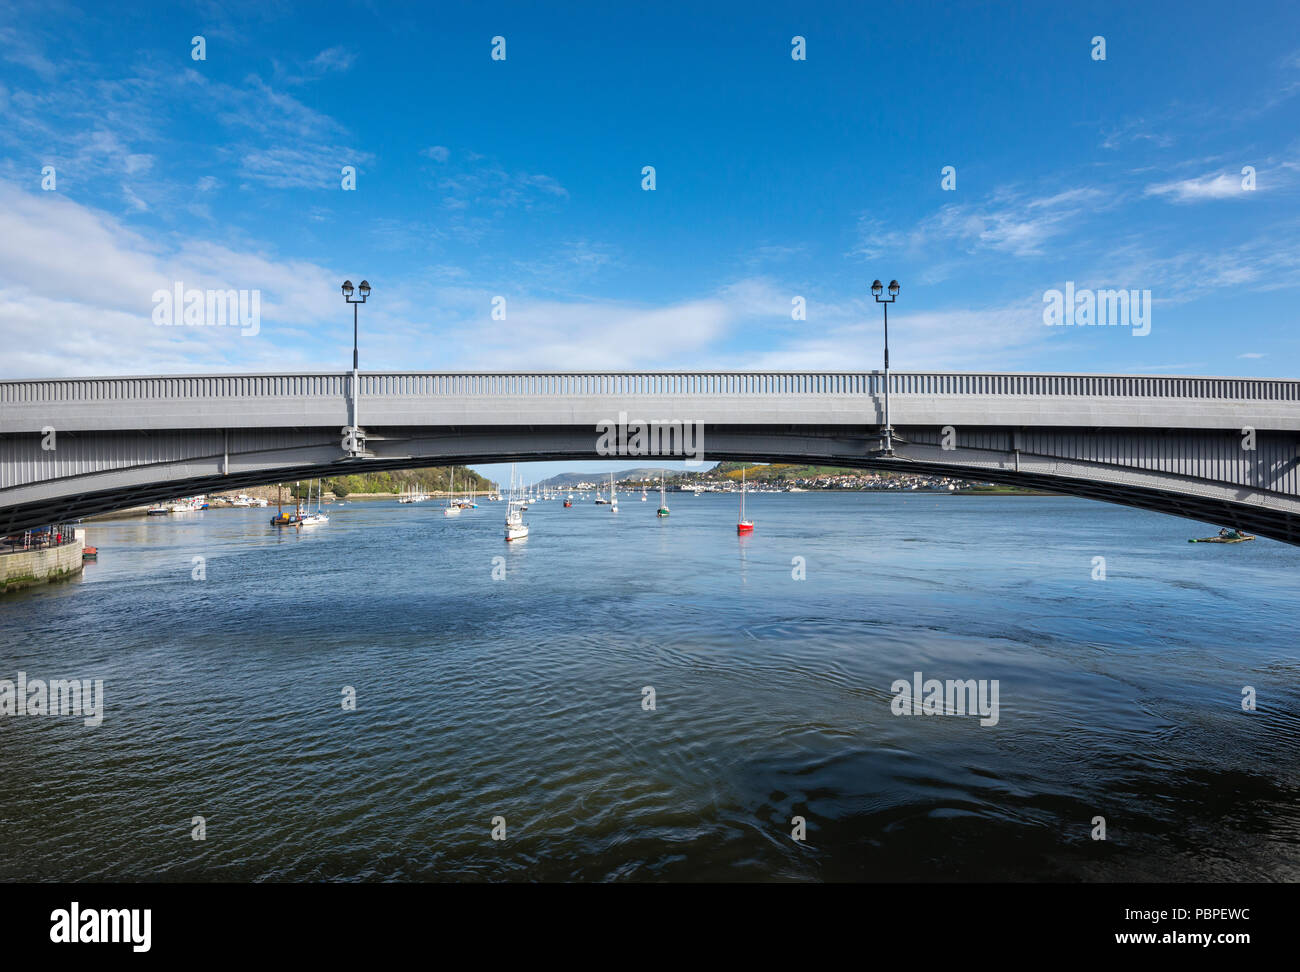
522,697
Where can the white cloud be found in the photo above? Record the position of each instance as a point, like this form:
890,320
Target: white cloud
1007,221
333,59
851,338
77,297
1221,186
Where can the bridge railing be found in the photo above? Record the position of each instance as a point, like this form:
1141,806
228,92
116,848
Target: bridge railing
656,384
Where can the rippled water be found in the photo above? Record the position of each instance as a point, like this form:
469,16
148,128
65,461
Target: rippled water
522,697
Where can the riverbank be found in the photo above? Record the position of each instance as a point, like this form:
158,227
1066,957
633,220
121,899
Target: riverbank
21,569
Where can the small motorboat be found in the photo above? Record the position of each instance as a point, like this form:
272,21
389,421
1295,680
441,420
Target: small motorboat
1228,536
90,553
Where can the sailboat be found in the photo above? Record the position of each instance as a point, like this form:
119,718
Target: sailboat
452,508
743,525
613,496
516,528
642,492
663,504
310,519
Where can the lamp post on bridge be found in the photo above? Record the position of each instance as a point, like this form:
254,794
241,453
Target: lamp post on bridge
352,443
876,289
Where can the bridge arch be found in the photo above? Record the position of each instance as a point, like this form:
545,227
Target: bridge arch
1173,445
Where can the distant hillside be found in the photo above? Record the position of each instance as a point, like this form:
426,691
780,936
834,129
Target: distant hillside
393,481
638,474
782,471
762,472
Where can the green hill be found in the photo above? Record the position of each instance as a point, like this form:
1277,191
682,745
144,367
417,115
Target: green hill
433,479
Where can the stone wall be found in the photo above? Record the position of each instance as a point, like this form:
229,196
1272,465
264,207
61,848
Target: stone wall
26,568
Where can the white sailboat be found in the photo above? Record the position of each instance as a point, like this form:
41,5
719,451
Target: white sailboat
613,495
516,528
452,508
663,503
311,519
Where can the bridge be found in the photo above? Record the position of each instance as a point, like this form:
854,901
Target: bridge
1219,450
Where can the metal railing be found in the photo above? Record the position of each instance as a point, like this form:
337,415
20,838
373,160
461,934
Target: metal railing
657,384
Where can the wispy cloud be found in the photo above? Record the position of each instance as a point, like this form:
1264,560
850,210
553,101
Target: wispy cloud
484,184
1134,131
1008,221
20,47
1212,186
332,60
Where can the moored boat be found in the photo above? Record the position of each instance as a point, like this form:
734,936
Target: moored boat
1226,535
516,528
308,518
283,519
742,525
453,506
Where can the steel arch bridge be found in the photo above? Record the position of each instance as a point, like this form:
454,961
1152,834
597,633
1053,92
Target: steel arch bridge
1221,450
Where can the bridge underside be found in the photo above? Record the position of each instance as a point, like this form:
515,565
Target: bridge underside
1129,468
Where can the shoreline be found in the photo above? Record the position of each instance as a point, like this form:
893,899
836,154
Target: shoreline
135,512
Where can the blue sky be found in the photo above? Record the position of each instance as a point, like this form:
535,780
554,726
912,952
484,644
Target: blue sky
776,178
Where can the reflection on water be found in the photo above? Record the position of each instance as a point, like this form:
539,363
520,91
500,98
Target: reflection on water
522,697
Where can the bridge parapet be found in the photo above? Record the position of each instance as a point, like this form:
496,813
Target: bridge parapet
318,400
654,384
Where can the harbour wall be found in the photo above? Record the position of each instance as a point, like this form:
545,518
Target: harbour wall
27,568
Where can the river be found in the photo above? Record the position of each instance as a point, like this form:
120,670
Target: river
498,680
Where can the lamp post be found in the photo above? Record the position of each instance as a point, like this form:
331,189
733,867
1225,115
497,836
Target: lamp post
364,290
876,289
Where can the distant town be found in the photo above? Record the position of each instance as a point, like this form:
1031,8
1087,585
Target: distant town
725,477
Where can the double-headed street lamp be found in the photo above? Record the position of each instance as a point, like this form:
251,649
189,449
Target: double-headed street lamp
364,290
876,289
